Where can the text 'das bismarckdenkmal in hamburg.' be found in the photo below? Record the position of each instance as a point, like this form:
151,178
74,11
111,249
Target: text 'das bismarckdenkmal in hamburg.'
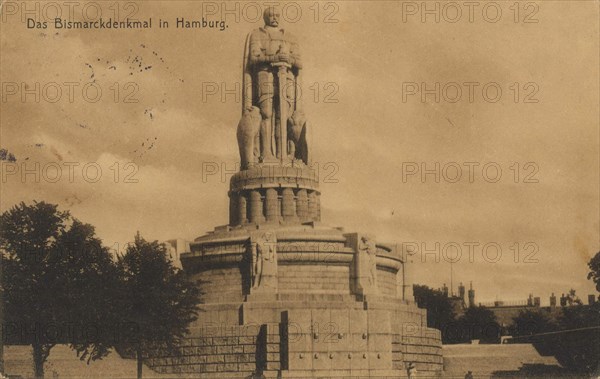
111,24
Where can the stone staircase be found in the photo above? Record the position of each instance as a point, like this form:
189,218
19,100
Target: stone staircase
500,361
485,361
63,363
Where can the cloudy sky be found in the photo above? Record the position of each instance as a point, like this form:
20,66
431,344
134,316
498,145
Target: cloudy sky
528,156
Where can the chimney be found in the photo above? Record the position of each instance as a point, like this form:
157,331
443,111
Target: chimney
471,295
553,300
445,290
537,301
563,300
591,299
461,292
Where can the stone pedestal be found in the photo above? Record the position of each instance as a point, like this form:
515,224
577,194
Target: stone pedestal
293,300
276,194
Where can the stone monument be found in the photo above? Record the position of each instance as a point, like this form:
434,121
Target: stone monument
286,296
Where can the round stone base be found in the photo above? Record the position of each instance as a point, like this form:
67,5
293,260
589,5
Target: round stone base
301,301
291,339
274,194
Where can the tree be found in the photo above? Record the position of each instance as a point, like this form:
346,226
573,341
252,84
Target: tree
90,284
579,316
440,313
572,298
479,323
575,338
157,298
531,322
594,274
577,345
57,282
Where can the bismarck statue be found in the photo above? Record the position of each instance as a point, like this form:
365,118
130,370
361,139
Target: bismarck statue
284,294
272,83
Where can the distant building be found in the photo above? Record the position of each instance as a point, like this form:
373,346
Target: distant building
563,300
471,295
505,311
457,302
591,299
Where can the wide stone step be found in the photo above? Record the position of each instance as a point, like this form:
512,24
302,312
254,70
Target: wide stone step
506,360
64,363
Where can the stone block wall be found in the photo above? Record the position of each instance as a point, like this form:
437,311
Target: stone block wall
344,342
212,355
349,342
321,279
387,282
271,356
407,317
220,284
420,346
306,315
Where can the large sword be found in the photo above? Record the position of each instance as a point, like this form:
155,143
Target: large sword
282,71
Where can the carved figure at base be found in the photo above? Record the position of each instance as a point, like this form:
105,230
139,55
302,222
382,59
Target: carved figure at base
256,265
367,246
248,132
298,137
263,254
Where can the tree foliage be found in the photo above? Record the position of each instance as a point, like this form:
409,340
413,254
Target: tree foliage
578,347
61,286
530,322
478,323
572,337
594,274
440,313
156,298
57,281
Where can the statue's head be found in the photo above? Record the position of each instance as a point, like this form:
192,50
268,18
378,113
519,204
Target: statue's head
271,16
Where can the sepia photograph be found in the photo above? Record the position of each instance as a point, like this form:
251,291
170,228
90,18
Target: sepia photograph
309,189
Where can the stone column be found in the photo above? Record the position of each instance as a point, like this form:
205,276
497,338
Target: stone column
271,206
242,207
256,207
302,205
288,204
312,205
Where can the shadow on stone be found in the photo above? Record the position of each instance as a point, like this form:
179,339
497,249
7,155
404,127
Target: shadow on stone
261,353
536,370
